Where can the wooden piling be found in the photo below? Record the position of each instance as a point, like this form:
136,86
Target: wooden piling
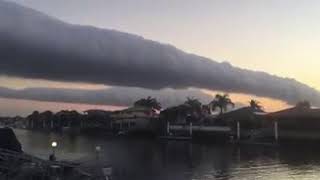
276,131
238,130
51,123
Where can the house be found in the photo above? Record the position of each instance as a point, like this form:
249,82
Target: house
184,114
96,119
135,119
297,123
176,114
248,117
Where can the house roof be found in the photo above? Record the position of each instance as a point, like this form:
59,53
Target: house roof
135,109
97,111
243,112
178,108
296,112
67,112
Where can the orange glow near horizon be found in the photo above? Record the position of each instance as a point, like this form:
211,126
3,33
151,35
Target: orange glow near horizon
14,107
269,104
23,107
21,83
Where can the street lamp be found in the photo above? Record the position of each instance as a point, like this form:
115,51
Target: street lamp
54,145
98,149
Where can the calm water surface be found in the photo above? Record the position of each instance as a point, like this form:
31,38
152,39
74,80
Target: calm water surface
153,159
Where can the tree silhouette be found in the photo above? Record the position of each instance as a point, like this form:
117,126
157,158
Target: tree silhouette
222,102
304,104
148,102
34,118
194,104
255,105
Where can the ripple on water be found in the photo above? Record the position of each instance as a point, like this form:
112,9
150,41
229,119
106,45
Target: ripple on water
147,160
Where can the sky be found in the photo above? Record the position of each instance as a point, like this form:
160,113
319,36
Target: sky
278,37
19,107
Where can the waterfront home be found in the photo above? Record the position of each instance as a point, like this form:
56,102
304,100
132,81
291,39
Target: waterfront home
184,114
49,120
244,122
96,118
176,114
248,117
67,119
38,120
135,119
185,121
296,123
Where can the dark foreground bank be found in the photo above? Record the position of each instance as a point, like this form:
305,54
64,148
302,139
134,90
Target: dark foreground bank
16,164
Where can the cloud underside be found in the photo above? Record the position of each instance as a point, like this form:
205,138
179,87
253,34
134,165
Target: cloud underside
116,96
34,45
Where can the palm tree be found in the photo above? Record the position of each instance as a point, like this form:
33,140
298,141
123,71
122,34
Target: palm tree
222,102
193,103
194,106
255,105
149,103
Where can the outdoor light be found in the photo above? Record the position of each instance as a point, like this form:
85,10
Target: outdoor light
98,148
54,144
52,157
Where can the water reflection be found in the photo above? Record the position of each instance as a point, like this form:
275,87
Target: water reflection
152,159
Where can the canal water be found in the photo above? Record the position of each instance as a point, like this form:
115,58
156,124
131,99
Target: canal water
152,159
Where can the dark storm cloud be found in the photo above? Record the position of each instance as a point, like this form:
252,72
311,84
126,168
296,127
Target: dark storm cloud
34,45
118,96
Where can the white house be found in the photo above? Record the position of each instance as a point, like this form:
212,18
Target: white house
134,119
